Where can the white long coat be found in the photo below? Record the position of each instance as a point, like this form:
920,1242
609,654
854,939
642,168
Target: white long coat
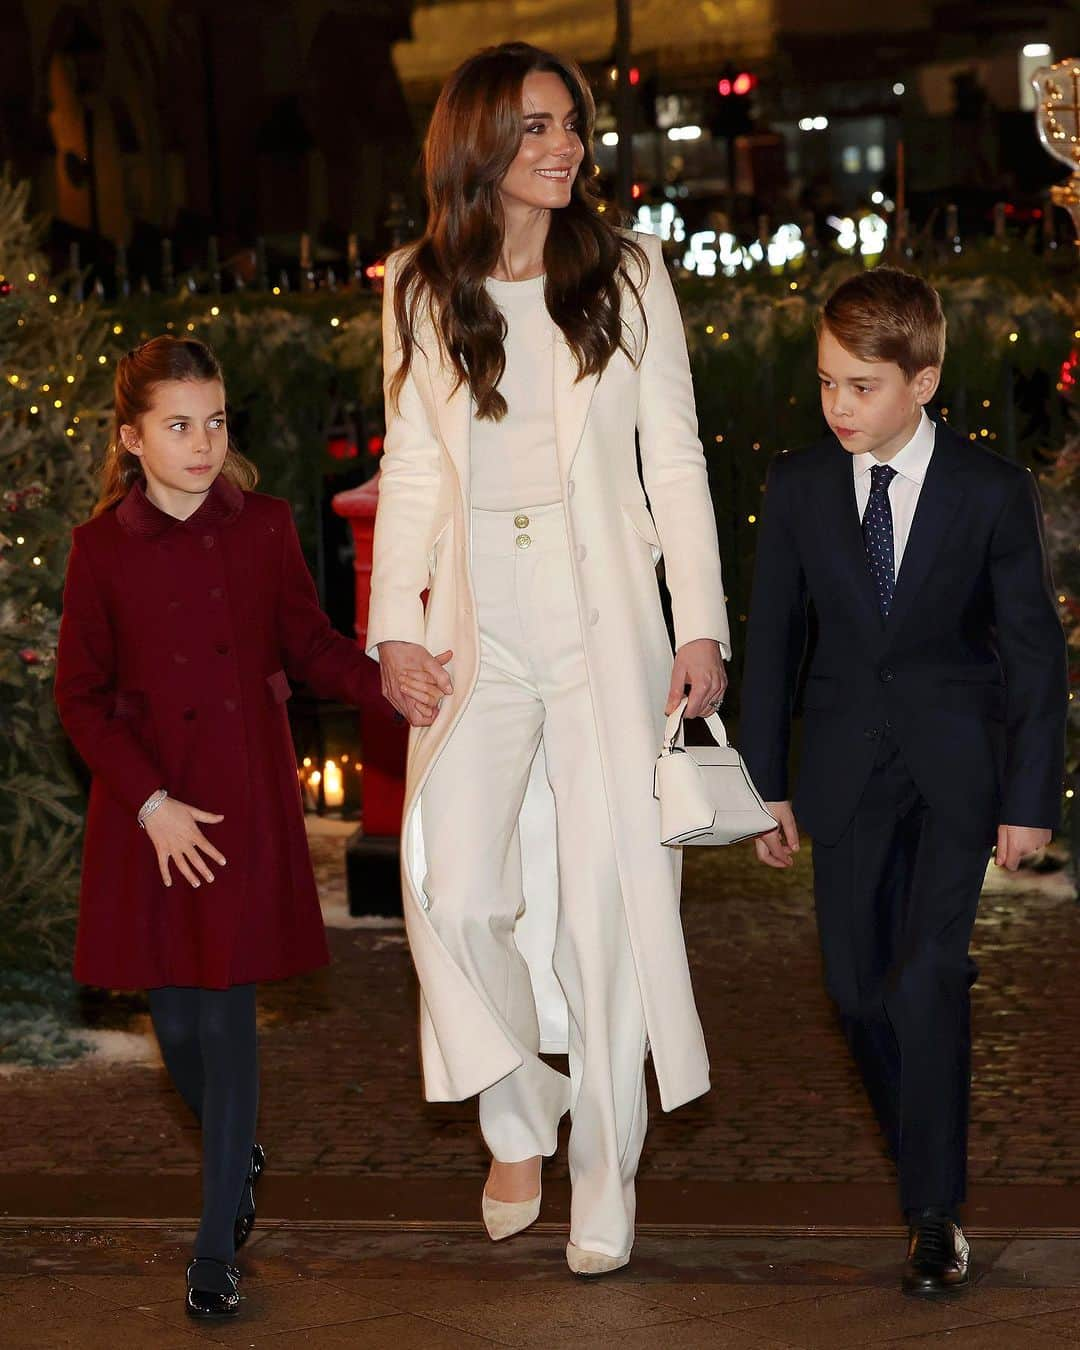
422,540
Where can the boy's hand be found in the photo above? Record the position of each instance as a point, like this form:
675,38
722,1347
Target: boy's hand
1015,842
778,847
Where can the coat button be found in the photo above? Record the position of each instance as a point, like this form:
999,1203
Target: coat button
174,605
222,649
217,593
189,714
521,521
570,488
581,552
208,541
871,733
885,675
594,617
230,705
523,540
180,658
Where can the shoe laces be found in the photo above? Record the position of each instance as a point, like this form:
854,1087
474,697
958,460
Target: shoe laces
932,1242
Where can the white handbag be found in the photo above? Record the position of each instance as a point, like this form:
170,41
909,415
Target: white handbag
705,793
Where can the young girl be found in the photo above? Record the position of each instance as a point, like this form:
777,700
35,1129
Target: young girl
187,609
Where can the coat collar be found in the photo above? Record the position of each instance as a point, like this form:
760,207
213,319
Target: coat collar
139,516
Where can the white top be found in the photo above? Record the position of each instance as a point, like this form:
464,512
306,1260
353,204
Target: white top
910,464
514,463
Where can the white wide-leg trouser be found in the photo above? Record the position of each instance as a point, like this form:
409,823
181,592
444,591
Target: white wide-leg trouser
532,685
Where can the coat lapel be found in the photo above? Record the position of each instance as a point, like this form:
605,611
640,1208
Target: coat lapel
453,408
938,500
573,398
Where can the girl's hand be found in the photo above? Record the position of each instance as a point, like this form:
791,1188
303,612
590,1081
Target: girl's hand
699,665
174,832
413,680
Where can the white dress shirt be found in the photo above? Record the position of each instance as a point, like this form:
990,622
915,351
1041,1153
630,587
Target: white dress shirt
514,462
910,464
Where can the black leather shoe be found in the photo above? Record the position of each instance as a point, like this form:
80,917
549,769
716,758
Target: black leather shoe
213,1288
245,1219
938,1255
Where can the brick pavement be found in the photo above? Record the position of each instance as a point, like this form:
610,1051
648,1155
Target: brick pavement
98,1288
341,1089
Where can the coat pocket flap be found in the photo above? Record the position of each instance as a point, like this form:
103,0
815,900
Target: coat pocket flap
279,686
129,703
641,522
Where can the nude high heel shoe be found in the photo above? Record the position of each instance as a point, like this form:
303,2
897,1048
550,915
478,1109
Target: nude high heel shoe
591,1264
504,1218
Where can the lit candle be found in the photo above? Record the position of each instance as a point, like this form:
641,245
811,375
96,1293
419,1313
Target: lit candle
333,789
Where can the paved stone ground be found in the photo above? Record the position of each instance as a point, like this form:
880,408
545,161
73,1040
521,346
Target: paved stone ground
96,1289
341,1090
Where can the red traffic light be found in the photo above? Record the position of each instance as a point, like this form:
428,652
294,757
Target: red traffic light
740,85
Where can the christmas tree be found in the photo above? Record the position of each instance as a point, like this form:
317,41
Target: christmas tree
54,403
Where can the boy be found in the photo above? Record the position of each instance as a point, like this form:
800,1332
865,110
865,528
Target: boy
934,710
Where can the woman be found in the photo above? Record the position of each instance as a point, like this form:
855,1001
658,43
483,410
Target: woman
526,339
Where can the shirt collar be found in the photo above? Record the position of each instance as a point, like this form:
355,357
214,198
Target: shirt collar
139,516
912,461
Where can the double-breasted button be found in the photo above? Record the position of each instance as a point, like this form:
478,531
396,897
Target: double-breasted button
179,658
523,540
216,593
594,617
885,675
570,488
174,605
521,521
871,733
222,649
208,541
581,552
230,705
189,714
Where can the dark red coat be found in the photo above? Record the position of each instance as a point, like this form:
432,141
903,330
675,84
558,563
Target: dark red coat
177,642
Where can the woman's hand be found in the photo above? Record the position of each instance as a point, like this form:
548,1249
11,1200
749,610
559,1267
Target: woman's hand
174,832
413,680
699,665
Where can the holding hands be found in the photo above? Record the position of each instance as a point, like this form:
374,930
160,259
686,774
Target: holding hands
414,681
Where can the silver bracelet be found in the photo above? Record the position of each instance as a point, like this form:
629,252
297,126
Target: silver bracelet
150,806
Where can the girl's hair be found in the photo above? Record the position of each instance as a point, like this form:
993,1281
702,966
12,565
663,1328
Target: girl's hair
138,373
474,135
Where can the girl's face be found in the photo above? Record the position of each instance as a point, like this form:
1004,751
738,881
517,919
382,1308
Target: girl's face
542,173
181,439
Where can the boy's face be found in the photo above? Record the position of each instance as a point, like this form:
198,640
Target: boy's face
870,405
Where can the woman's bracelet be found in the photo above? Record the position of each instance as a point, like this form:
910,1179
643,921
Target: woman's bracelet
150,806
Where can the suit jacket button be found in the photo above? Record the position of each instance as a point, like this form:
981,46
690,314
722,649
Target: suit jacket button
885,674
871,733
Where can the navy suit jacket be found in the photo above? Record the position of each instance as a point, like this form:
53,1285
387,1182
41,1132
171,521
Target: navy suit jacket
968,672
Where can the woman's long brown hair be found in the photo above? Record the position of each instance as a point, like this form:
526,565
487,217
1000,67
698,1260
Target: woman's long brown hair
474,135
137,375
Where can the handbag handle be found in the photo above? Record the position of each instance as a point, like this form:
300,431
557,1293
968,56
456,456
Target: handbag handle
675,721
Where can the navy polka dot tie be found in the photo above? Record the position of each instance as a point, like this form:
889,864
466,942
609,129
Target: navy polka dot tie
877,528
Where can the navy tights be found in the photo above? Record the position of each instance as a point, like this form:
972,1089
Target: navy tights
210,1048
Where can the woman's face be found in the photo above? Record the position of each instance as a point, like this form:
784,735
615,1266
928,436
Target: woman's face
543,171
182,438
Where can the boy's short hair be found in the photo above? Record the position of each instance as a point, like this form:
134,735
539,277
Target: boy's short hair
887,315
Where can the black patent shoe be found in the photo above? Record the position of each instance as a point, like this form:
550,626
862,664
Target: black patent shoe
213,1288
245,1219
938,1256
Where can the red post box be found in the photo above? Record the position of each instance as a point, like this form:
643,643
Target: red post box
372,852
